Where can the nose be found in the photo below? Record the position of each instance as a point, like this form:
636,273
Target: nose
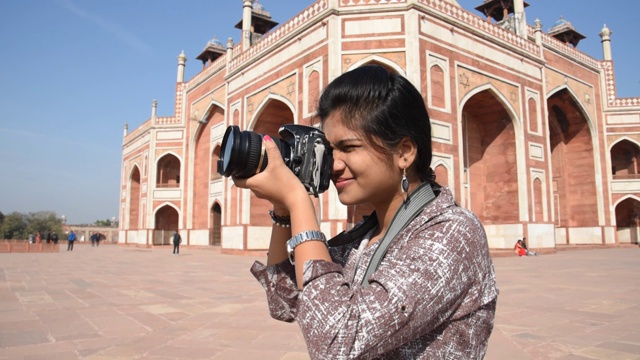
338,164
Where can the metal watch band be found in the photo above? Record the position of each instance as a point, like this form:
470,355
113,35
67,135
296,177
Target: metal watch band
309,235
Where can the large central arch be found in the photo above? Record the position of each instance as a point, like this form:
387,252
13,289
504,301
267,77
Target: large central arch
573,165
490,168
271,114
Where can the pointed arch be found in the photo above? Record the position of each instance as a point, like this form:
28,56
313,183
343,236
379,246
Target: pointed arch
170,204
513,114
273,112
505,150
215,223
575,161
436,165
167,218
627,219
575,97
379,60
168,170
264,104
438,86
624,155
209,110
134,193
623,138
201,167
626,197
215,155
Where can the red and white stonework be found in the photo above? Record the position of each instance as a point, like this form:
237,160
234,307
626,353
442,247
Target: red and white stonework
527,130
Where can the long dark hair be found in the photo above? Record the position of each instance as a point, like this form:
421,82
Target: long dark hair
384,107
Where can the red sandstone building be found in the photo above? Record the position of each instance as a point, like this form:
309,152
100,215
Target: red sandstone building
527,130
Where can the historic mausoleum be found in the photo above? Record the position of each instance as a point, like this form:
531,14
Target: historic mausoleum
528,131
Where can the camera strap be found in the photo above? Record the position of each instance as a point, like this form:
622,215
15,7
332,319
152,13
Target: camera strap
416,202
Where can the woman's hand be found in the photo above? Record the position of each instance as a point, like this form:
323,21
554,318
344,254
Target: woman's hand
277,183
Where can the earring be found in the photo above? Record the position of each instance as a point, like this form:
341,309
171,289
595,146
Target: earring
404,184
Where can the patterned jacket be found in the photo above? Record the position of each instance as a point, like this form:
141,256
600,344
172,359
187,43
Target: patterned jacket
432,297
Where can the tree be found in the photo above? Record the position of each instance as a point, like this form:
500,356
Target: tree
18,226
14,226
106,222
45,222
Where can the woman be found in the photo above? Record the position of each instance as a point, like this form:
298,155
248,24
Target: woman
521,249
433,295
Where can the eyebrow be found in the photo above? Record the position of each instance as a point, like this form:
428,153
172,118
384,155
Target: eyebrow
345,141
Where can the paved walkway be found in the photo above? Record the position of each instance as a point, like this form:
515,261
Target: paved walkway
114,302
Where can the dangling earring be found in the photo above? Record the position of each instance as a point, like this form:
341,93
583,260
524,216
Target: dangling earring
404,184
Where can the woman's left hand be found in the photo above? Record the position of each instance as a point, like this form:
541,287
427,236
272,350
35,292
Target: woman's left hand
277,183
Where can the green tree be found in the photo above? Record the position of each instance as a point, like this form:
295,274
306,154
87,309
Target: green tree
45,222
106,222
14,226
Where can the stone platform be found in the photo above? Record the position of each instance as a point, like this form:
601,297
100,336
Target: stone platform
116,302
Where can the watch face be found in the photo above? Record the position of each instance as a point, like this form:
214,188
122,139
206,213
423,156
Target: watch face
290,253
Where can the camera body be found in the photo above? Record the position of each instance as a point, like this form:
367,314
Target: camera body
311,159
304,149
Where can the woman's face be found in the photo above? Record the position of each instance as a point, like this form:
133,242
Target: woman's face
360,173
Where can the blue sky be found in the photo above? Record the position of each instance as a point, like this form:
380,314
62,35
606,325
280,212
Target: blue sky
73,72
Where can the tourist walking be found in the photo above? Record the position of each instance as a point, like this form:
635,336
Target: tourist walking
177,240
71,239
54,238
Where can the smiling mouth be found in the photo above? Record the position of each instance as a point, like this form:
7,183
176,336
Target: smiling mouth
341,183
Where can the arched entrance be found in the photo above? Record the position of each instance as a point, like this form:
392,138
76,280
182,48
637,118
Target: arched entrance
628,221
490,178
134,199
273,114
204,167
167,220
168,171
215,232
625,156
572,161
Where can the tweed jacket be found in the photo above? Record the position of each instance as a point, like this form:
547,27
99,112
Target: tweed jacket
432,297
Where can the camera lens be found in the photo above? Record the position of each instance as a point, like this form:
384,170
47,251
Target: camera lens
243,155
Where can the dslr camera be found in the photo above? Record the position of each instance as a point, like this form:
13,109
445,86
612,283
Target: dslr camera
305,150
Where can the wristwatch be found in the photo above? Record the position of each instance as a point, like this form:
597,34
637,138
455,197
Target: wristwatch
309,235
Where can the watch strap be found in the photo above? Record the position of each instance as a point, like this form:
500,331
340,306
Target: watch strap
308,235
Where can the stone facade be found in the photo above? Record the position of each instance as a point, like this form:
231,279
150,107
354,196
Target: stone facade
527,130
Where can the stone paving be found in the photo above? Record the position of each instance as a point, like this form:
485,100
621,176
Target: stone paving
116,302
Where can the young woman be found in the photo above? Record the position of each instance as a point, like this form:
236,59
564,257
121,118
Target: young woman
433,295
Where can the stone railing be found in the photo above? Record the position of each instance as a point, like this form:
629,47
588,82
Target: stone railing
481,24
213,68
569,50
610,88
139,130
347,3
24,246
168,120
282,31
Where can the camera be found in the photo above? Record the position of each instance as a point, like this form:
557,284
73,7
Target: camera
305,150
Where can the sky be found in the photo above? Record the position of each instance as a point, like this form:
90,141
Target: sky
73,72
